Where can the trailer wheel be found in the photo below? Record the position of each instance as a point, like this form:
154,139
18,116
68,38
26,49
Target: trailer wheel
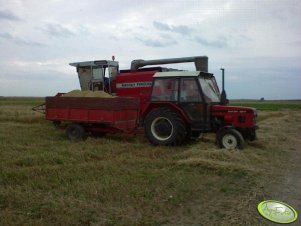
75,132
57,123
164,127
230,139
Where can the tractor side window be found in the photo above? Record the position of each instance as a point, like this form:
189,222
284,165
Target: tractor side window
210,92
165,89
189,91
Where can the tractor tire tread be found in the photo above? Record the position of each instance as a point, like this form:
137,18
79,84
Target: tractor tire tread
174,117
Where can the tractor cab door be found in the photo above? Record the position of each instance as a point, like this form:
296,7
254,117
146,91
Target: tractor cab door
191,101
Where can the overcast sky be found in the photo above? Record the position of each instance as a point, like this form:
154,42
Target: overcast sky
258,42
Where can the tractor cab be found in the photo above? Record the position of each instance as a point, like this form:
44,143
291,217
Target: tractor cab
185,86
192,91
96,75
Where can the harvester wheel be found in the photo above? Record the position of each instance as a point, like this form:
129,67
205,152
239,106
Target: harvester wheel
75,132
230,139
163,126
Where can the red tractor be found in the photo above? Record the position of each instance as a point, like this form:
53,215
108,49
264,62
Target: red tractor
169,106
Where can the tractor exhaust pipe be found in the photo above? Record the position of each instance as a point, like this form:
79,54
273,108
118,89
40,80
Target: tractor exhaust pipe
224,100
201,62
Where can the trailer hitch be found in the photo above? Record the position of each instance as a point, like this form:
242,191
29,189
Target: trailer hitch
41,108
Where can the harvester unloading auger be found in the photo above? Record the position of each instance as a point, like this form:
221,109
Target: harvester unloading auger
200,62
169,106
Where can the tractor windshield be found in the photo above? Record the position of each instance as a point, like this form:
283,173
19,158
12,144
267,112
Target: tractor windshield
209,90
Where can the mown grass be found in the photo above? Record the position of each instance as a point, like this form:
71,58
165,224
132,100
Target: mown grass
122,180
115,180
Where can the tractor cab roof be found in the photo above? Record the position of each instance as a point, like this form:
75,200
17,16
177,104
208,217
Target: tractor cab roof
182,74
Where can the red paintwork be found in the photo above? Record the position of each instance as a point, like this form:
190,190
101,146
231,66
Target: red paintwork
120,112
171,105
143,93
231,115
132,104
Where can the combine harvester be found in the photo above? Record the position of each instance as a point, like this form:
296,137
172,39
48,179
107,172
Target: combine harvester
168,105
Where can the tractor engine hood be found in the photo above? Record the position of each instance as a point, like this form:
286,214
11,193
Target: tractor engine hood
238,117
218,109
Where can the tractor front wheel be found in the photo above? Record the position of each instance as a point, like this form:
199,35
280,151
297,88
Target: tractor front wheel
164,126
229,138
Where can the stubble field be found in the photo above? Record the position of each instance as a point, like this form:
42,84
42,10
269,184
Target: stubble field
122,180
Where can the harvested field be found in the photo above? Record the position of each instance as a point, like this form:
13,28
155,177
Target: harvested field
122,180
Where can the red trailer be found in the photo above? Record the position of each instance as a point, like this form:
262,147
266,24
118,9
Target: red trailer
93,114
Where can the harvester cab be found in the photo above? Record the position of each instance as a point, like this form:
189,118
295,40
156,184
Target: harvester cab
96,75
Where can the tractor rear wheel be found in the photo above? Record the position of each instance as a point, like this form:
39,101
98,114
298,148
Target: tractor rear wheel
230,139
75,131
164,126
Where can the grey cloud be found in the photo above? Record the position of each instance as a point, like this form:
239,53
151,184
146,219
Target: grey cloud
8,15
156,43
113,37
20,41
218,43
28,43
181,29
184,30
165,36
23,75
271,66
56,30
293,43
161,26
246,38
6,36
